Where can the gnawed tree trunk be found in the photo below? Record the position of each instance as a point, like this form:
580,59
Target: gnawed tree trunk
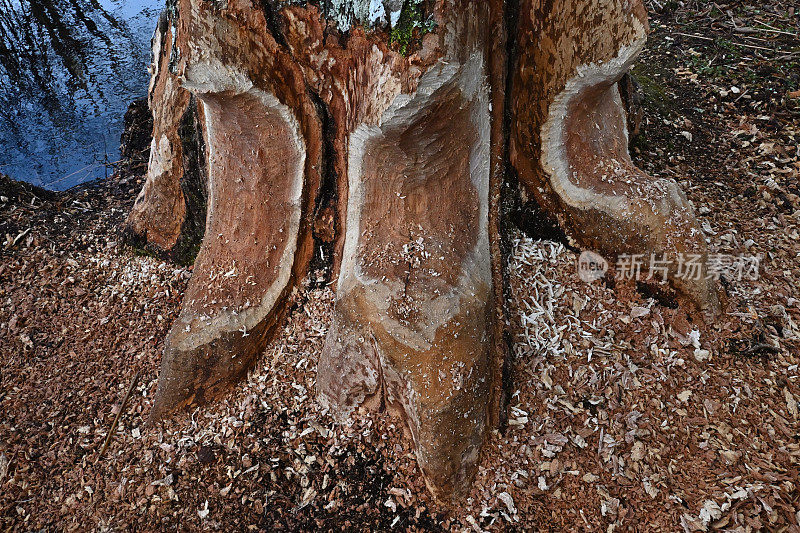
569,139
169,215
264,165
414,320
319,134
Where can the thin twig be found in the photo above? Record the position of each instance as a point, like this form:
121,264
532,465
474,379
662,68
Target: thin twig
754,47
119,414
773,29
704,38
694,36
741,95
762,348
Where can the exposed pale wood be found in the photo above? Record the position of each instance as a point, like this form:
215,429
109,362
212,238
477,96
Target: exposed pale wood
264,151
569,138
245,265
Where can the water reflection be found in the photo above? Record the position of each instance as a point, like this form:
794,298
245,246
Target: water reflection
68,69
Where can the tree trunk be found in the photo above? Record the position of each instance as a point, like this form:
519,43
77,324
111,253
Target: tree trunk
569,138
376,133
170,213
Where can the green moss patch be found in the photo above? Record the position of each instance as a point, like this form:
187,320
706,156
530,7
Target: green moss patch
414,23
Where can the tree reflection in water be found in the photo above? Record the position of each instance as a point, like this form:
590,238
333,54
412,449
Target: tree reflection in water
68,69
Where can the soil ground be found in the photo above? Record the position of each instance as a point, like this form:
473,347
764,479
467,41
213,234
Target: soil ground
626,414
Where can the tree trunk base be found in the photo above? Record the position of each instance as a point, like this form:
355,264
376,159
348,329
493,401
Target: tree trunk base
413,315
389,166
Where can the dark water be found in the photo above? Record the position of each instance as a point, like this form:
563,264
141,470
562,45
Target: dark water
68,70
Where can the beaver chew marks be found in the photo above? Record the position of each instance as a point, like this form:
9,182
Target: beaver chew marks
245,263
412,315
569,139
